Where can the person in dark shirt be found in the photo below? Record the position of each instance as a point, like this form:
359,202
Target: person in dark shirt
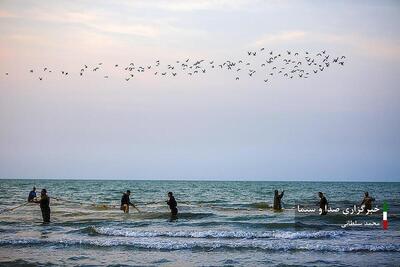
126,202
172,204
32,195
44,205
277,200
367,201
323,203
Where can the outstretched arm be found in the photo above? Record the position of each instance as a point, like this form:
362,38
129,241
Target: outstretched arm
133,205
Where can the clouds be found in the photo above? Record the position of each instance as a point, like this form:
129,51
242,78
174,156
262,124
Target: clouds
378,48
93,29
128,20
5,14
101,22
190,5
290,36
175,22
209,116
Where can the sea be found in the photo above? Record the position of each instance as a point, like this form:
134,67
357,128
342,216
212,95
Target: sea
219,223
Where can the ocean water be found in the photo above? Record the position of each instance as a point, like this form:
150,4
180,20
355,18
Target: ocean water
219,224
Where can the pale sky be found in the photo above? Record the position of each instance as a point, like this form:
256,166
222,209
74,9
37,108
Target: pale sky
343,124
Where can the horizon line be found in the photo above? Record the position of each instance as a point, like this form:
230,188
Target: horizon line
200,180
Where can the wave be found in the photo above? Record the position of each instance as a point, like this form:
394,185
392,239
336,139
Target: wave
167,215
260,205
236,206
252,225
168,245
24,263
109,231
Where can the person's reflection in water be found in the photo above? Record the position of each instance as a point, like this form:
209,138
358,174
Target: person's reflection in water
172,206
44,234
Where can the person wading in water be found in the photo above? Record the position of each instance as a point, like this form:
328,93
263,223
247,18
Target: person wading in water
172,205
44,205
367,202
32,195
126,202
277,200
323,203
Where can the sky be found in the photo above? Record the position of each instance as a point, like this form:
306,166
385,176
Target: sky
342,125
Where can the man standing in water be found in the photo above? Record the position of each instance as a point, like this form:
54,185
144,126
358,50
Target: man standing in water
125,202
172,204
323,203
277,200
44,205
32,195
367,201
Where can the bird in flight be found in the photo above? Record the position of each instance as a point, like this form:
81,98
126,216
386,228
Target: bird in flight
297,64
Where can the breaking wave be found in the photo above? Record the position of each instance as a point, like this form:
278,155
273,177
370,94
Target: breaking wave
124,232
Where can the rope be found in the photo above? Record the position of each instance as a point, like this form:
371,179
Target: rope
91,204
70,201
14,208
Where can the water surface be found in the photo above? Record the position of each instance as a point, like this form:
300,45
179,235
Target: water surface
219,223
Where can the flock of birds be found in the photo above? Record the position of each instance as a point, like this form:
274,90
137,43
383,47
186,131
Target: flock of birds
267,64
